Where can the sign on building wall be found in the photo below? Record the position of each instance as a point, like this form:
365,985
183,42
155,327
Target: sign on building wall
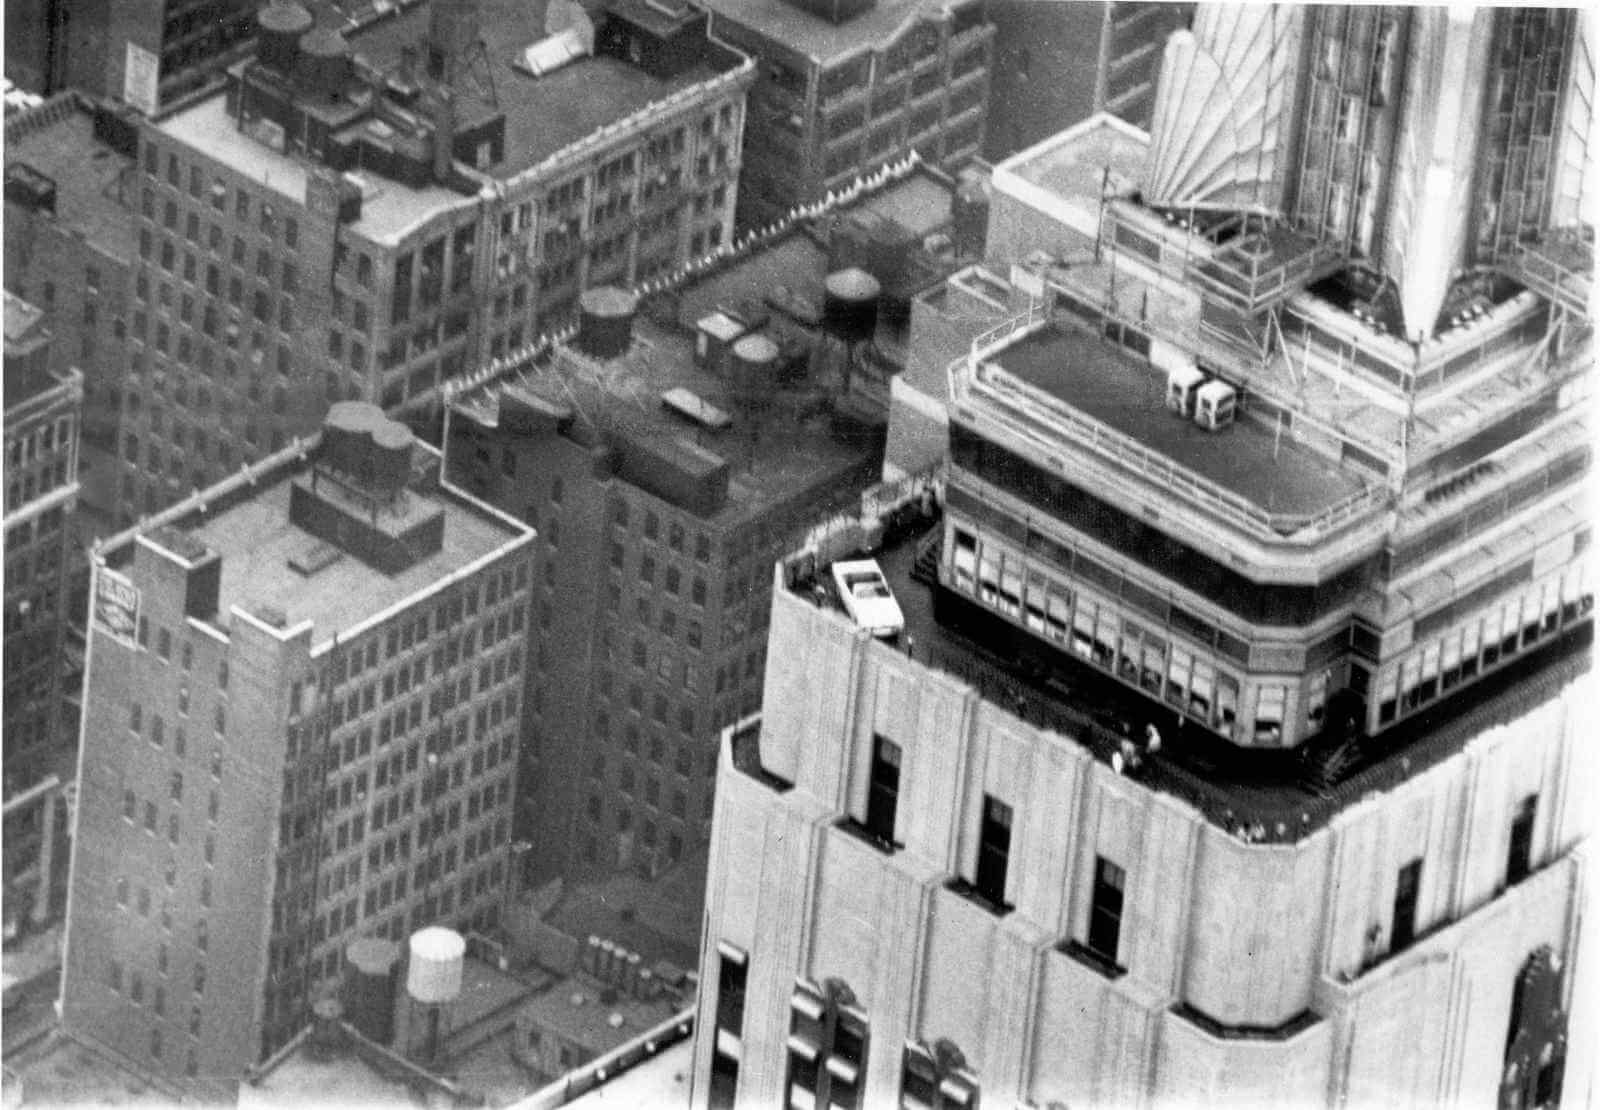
141,76
116,606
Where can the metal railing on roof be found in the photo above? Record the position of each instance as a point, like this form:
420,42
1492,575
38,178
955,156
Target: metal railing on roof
1252,286
1070,424
1233,276
1567,281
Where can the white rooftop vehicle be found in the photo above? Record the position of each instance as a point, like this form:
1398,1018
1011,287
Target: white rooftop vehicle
1183,382
867,597
1214,405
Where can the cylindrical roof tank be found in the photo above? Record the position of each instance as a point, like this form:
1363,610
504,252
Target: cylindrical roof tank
969,211
281,24
850,309
605,320
324,61
347,437
434,975
753,367
372,971
391,455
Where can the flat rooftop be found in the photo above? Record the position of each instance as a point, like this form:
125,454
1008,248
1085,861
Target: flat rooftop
1104,382
655,1083
1076,162
59,1071
919,202
576,1010
794,266
304,1079
1269,795
255,539
816,37
658,918
57,139
388,209
772,456
544,114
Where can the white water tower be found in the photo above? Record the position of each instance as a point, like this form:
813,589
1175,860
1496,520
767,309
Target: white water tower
433,981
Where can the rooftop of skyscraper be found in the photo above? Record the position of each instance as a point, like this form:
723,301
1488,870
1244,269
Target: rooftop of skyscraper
1127,397
303,536
1267,796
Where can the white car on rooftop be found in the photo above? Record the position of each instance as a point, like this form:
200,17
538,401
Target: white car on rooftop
867,598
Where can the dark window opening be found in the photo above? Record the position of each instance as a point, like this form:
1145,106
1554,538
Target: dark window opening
1105,909
883,790
732,975
994,850
1407,887
1519,858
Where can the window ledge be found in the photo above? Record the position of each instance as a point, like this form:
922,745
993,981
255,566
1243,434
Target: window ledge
1283,1031
975,896
1091,959
860,832
746,743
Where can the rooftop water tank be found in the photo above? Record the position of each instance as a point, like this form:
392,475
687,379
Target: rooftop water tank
281,24
324,62
969,213
434,975
850,308
605,320
391,456
372,972
753,367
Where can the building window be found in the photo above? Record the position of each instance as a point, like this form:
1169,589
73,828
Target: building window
732,974
1535,1057
1519,858
1105,910
1269,714
1407,886
827,1047
936,1078
883,790
994,850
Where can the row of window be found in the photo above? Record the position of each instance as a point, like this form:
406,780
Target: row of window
1493,638
43,441
267,222
828,1041
1098,632
131,984
988,883
828,1045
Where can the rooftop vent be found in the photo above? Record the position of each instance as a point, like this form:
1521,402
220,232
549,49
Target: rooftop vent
694,407
551,53
318,556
